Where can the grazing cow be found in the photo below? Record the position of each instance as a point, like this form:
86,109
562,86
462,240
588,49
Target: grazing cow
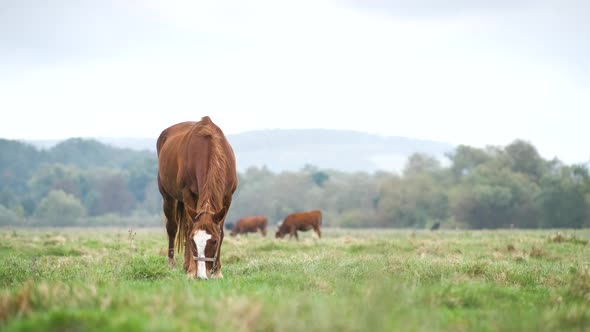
300,221
197,178
250,225
435,227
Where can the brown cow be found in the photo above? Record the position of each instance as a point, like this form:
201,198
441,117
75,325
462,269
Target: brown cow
300,221
250,225
197,178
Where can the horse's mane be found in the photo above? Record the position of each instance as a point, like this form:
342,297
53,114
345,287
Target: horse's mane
212,193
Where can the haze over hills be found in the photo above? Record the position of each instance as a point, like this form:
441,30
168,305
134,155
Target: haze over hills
280,149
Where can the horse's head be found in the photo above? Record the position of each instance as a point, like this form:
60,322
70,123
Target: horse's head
279,234
206,236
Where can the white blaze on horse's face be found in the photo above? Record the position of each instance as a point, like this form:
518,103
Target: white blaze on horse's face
200,239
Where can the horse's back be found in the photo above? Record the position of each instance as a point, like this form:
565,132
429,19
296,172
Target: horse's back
173,133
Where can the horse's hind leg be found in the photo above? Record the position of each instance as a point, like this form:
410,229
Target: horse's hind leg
171,227
227,203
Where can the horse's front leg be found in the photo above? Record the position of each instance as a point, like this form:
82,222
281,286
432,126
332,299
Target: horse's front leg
217,273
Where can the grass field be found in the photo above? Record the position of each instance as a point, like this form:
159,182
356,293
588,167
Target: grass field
367,280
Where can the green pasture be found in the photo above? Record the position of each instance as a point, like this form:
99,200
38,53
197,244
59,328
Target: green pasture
350,280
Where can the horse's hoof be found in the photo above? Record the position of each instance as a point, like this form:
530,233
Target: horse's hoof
217,275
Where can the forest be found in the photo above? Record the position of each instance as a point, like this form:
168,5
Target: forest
81,182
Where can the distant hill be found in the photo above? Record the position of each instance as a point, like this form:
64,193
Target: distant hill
280,149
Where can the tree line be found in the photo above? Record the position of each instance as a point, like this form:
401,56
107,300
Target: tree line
85,183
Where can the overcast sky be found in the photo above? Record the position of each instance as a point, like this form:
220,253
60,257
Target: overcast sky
460,71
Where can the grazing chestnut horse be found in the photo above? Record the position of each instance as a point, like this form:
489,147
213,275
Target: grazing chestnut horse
250,225
196,177
300,221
